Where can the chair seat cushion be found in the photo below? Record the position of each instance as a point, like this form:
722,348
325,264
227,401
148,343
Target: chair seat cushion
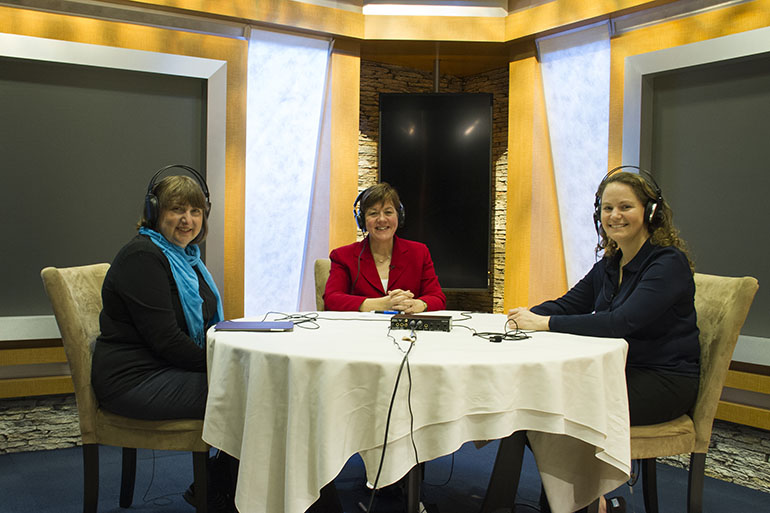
173,435
665,439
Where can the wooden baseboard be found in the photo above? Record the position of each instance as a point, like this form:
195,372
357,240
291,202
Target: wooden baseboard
746,396
31,387
744,415
40,356
32,355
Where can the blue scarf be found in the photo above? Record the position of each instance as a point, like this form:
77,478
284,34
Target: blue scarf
183,262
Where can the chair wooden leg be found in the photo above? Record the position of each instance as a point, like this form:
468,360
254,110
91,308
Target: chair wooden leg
128,477
695,482
200,461
90,477
504,482
650,485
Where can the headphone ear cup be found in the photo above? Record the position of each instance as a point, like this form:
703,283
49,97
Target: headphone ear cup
597,220
401,215
597,214
650,210
151,208
357,212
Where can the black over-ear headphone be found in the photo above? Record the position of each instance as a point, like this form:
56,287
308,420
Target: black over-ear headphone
360,215
151,203
650,208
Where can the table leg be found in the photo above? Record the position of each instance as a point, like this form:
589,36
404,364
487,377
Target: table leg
413,482
501,492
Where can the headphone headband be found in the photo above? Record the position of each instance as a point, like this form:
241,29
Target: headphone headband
151,202
198,178
646,175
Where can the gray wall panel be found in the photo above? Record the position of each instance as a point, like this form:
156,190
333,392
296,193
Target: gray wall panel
78,146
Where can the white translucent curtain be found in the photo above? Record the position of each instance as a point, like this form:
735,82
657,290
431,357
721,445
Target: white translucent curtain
576,82
287,78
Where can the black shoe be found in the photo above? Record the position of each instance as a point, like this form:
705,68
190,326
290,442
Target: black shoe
616,505
219,502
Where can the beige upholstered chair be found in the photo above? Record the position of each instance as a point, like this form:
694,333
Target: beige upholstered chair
722,305
75,295
322,267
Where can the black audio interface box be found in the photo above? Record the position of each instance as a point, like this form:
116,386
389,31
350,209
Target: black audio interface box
421,322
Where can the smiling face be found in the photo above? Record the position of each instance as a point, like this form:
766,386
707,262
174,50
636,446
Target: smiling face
623,215
381,221
180,224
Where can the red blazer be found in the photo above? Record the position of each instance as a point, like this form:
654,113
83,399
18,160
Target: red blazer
411,268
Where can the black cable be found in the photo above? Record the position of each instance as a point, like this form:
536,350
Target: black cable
312,318
387,422
451,472
494,336
160,500
299,319
358,272
379,318
152,478
409,404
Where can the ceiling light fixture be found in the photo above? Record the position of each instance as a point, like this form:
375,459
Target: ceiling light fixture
432,10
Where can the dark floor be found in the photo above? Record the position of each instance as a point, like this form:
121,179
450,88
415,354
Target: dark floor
51,482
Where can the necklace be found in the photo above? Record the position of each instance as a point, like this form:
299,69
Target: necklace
381,260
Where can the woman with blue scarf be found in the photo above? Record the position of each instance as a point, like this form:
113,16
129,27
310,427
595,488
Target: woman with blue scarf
158,301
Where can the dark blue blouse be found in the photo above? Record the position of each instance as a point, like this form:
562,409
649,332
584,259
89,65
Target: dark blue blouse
653,309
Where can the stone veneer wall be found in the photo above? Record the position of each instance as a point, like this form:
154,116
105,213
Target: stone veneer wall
38,423
738,454
384,78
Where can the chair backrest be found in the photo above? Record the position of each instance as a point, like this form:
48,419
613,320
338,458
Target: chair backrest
722,304
76,296
321,268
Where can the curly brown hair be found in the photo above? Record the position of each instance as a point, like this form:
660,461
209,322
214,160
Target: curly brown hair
661,226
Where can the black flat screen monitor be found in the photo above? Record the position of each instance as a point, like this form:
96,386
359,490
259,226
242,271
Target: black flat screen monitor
436,150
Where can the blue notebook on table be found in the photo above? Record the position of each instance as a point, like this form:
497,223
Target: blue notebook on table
254,326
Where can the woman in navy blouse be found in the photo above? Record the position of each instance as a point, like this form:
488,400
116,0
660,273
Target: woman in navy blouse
642,290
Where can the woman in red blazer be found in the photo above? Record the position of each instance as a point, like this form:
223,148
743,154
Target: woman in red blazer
382,272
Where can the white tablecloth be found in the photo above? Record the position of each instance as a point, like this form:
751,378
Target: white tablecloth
295,406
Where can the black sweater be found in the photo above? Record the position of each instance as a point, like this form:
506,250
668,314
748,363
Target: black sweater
653,309
143,328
